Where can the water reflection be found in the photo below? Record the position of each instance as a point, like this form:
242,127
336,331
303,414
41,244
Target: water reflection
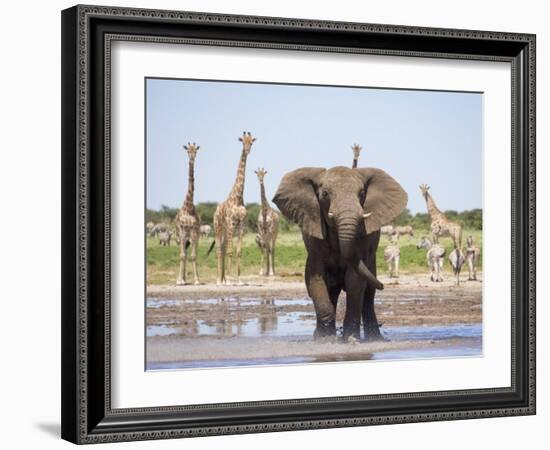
270,324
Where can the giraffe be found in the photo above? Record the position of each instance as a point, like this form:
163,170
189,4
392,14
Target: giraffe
441,226
188,222
268,227
230,217
356,148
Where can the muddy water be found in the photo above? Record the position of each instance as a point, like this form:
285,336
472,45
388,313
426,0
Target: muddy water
227,332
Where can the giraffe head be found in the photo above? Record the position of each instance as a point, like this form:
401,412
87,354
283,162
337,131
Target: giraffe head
191,150
424,188
247,139
261,174
356,148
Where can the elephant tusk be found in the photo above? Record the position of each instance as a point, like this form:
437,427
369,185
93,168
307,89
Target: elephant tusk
366,215
331,215
363,270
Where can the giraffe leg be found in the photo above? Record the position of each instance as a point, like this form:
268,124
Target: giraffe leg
262,261
265,260
239,252
220,256
229,253
194,245
272,260
183,261
262,256
265,257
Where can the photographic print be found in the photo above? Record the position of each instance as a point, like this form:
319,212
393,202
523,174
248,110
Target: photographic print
297,224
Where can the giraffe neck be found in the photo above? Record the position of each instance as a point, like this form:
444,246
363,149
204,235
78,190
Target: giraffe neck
355,159
237,192
433,210
188,203
265,205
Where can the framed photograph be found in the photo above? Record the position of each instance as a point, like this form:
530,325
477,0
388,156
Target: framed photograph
281,224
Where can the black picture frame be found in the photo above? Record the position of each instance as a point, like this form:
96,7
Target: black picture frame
87,415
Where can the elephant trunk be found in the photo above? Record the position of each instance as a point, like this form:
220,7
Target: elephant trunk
347,234
364,270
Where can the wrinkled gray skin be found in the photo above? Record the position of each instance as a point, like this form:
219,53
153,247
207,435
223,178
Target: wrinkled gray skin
340,212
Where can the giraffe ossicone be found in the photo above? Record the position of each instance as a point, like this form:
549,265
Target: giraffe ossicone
356,149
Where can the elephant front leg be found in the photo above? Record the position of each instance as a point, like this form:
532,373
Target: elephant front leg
355,289
371,328
324,308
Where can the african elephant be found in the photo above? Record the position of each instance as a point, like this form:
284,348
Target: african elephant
340,212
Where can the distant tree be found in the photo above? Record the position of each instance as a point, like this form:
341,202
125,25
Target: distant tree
252,212
420,220
451,214
168,214
206,212
472,218
404,218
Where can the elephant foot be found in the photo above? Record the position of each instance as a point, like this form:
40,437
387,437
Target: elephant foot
181,283
325,329
352,332
372,333
326,339
197,283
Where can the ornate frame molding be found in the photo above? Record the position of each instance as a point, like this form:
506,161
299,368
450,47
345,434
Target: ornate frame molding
80,423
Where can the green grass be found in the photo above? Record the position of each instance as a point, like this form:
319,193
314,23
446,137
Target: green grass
290,255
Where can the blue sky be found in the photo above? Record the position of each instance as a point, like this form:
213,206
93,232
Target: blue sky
415,136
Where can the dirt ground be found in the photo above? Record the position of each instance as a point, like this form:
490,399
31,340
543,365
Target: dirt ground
410,300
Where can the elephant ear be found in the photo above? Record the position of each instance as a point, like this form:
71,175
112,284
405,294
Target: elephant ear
296,198
385,198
